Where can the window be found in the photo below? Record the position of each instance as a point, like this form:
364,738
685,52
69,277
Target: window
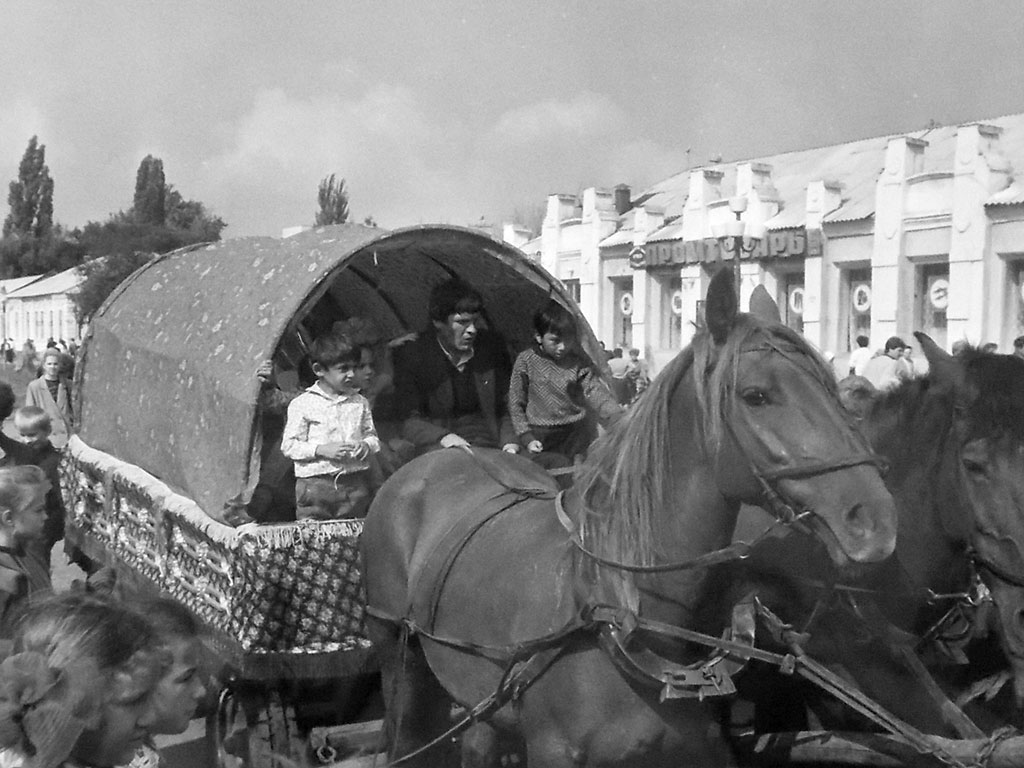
572,287
672,313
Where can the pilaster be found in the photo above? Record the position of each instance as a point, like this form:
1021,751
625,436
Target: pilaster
904,156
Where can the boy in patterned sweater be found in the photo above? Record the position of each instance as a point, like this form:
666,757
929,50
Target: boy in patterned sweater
553,390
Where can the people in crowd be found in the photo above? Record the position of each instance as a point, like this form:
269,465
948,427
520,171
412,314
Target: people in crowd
856,394
330,435
451,382
990,348
554,389
860,356
28,356
78,689
619,367
33,447
52,393
636,373
181,688
22,520
887,370
1018,346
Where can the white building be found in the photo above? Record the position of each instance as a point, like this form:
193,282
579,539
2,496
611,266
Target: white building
880,236
40,308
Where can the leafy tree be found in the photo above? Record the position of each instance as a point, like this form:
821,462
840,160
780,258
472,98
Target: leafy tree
150,191
101,277
30,197
191,216
333,201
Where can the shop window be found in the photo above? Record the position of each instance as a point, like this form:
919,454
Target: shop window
1015,316
572,287
623,315
857,301
932,300
793,312
671,336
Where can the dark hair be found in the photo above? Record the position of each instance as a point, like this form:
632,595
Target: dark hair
170,619
556,319
1018,343
453,297
863,341
333,348
894,342
7,400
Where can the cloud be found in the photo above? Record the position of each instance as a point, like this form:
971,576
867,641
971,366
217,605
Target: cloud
586,114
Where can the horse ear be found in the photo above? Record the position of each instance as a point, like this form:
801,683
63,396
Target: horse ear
721,308
763,306
943,368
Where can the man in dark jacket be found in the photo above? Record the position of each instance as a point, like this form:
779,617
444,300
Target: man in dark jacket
451,383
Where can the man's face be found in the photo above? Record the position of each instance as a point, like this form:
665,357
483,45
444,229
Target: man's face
458,331
895,353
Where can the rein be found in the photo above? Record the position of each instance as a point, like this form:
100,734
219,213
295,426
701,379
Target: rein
739,550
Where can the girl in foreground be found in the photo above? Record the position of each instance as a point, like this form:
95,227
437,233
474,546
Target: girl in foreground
78,690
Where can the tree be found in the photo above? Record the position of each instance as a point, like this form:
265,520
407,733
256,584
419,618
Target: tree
31,196
101,276
150,192
333,201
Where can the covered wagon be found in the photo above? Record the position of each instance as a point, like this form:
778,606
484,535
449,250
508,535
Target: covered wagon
168,452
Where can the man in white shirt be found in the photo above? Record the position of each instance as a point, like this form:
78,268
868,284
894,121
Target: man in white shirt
860,356
889,370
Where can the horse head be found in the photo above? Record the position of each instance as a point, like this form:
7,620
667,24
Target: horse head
786,434
988,394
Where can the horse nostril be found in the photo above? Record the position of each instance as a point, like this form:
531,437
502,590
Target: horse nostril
974,467
856,518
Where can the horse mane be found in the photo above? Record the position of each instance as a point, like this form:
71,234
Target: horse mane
996,385
625,482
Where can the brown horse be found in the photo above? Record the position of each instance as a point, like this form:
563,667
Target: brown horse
475,584
953,442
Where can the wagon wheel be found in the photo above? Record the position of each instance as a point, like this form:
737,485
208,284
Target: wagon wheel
254,729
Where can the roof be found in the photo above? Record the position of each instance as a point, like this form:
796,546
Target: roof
14,283
167,379
62,282
855,164
1012,195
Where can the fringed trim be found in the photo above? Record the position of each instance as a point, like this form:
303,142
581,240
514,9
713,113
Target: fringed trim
306,532
161,495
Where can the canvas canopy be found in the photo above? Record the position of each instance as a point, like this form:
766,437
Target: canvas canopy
167,376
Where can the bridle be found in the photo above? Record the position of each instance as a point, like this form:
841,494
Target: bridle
772,499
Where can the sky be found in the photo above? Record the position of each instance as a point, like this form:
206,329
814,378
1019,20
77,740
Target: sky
450,111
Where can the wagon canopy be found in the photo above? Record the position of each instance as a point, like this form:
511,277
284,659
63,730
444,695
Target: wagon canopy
167,377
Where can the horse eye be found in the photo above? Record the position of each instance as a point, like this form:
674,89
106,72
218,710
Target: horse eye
974,467
755,397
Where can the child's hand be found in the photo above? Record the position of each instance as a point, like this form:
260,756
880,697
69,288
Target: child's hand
451,440
265,373
510,448
360,451
535,446
334,451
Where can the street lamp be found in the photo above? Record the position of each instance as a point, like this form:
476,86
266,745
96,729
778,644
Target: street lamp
738,237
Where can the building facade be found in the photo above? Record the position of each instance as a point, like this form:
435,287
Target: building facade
880,236
40,308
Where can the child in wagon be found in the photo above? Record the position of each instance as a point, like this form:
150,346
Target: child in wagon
330,435
554,389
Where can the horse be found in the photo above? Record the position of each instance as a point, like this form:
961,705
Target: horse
486,588
953,442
